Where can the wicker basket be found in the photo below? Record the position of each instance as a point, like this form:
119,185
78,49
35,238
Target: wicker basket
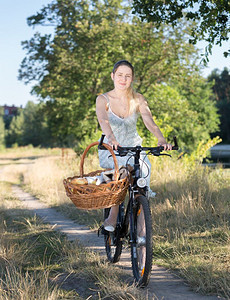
92,196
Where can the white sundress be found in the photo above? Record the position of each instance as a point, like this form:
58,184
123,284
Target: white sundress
125,132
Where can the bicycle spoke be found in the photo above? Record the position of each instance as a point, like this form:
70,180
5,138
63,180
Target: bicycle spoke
113,243
141,247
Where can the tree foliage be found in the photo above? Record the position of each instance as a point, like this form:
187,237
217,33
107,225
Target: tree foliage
72,66
221,90
29,127
15,131
212,17
190,117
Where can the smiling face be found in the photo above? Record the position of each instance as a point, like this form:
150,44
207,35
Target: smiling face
122,77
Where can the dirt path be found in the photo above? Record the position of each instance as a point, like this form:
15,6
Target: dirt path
163,284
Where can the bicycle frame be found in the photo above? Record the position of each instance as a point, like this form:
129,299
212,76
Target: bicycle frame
134,190
127,220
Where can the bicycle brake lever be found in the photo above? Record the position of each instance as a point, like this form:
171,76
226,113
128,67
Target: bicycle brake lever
121,151
155,153
122,154
166,154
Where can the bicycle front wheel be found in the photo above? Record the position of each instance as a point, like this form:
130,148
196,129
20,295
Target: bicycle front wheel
113,242
141,241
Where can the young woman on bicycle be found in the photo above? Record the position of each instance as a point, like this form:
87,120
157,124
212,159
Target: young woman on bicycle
117,113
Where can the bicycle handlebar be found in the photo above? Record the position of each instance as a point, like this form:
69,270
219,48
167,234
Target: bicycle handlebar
124,150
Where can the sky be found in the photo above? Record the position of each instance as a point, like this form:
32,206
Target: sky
14,30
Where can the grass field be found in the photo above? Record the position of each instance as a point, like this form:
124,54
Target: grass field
191,211
39,263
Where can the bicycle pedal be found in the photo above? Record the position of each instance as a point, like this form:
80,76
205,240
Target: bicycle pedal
102,230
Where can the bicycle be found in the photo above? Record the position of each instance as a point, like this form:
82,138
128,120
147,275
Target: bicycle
133,215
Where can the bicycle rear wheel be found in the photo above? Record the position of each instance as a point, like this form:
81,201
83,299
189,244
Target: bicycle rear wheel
113,242
141,242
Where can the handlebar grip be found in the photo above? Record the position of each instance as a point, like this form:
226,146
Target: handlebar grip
101,141
175,147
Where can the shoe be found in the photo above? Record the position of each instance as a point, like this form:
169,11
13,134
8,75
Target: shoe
109,227
151,194
141,241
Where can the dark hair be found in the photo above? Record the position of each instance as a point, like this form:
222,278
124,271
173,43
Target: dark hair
123,63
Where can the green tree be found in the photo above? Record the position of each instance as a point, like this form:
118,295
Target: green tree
72,67
221,90
30,127
212,17
8,118
177,116
35,128
198,93
15,131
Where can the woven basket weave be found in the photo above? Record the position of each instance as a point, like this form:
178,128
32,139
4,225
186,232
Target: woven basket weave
92,196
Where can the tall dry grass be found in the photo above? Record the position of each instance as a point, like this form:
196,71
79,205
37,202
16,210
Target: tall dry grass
31,152
45,179
191,214
191,222
189,199
39,263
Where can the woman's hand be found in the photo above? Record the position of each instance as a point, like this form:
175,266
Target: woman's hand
163,143
113,142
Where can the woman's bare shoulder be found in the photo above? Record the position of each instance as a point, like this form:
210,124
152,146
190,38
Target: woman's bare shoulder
101,99
102,102
104,96
140,98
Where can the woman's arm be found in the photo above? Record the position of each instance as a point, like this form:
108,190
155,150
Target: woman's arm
103,120
150,124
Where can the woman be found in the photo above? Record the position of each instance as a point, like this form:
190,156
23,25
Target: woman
117,113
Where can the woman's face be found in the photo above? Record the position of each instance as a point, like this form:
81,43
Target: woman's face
122,78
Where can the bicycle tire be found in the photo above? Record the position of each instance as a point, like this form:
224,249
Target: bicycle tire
142,269
113,242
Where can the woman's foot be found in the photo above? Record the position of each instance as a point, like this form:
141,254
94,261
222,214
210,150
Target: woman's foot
111,221
108,226
151,194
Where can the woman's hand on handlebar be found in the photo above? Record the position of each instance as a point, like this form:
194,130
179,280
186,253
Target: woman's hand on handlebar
115,145
113,142
164,144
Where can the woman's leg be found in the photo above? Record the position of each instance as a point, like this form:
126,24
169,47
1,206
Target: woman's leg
141,230
146,173
110,222
145,168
